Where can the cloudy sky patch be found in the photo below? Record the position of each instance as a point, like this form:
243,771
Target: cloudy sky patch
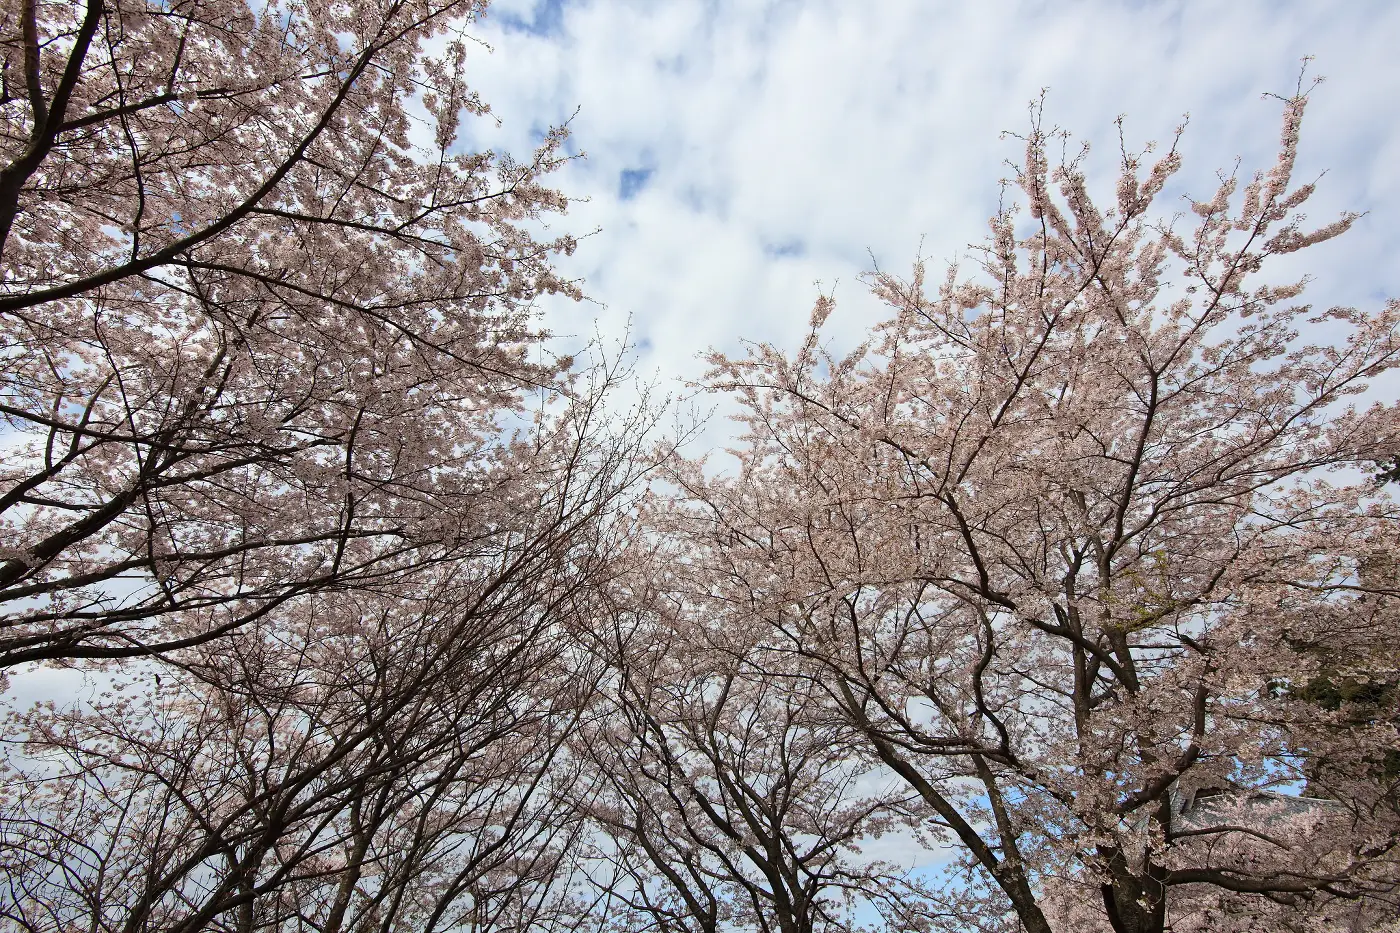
741,153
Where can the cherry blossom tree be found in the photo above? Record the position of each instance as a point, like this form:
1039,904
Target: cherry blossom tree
726,796
354,761
1076,566
1069,538
262,312
289,469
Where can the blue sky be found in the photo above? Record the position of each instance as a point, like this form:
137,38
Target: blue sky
741,152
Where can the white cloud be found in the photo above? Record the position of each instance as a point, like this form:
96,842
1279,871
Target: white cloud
774,144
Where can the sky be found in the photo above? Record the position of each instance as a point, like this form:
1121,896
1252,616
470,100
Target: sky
743,156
